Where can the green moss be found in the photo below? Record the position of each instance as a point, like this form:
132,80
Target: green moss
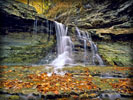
7,97
101,84
12,60
3,97
14,97
15,48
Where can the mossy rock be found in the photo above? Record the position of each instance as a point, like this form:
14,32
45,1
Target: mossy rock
116,53
29,53
3,97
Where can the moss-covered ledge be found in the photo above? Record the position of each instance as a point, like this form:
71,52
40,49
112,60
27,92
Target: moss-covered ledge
23,51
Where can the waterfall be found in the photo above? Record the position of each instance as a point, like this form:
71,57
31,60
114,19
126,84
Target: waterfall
95,56
64,46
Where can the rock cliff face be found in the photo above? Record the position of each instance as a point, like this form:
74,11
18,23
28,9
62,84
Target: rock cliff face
110,24
25,36
99,14
16,16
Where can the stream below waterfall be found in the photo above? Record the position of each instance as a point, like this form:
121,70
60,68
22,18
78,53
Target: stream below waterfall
32,96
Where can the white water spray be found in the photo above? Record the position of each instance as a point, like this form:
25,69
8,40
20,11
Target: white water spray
64,47
95,56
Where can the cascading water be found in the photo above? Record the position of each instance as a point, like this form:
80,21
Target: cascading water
64,46
35,27
95,56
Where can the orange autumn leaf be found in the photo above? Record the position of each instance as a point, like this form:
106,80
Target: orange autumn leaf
56,92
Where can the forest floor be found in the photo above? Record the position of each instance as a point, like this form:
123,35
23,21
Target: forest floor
77,82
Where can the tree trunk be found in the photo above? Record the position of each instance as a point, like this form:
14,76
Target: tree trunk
42,5
28,2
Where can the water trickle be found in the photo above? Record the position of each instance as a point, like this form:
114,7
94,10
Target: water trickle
35,27
87,38
64,46
78,31
50,28
47,26
85,51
